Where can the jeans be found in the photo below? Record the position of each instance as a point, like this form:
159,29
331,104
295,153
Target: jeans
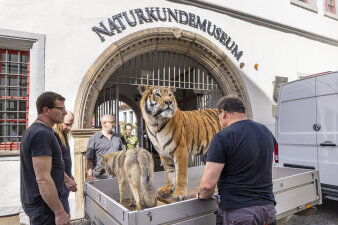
39,213
46,218
64,198
254,215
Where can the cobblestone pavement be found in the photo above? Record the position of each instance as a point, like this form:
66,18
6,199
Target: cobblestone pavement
326,214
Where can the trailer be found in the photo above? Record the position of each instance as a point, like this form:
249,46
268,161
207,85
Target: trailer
295,190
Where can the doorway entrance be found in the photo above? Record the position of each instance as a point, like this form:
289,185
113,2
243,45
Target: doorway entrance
117,71
195,89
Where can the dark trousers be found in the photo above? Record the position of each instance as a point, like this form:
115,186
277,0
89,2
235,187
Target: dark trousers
254,215
64,198
44,219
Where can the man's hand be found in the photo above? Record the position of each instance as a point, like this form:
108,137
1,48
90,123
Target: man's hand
71,185
62,218
212,172
89,170
199,197
90,178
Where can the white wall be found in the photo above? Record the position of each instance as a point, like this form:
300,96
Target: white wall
284,12
71,46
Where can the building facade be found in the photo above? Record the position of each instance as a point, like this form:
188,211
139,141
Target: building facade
96,53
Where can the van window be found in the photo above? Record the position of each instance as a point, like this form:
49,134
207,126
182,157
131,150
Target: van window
296,118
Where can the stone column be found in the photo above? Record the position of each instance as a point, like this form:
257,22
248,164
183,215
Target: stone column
81,137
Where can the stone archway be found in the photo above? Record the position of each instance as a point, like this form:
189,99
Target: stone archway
141,42
165,39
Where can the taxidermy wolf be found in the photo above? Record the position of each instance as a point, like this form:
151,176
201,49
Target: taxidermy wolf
137,167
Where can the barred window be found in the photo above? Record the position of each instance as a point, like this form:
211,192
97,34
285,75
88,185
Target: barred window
14,97
306,4
330,6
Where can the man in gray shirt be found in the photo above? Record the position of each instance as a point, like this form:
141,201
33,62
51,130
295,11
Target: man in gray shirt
103,142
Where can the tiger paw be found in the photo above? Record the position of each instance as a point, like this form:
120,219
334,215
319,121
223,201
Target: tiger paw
165,191
180,195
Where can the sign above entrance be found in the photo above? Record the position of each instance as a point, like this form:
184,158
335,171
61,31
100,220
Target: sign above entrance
117,23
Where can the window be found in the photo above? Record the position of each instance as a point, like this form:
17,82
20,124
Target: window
330,6
14,97
125,117
131,117
306,4
330,9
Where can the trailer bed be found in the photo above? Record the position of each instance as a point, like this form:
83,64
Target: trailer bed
294,189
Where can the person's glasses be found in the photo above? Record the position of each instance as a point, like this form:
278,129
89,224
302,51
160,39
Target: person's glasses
110,122
60,108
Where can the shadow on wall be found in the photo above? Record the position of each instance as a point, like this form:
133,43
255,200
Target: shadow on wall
261,104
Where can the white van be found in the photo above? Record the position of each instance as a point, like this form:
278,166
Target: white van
307,128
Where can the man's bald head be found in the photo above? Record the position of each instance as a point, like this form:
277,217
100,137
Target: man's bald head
68,121
107,117
107,122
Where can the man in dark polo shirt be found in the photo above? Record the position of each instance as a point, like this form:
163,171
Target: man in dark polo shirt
41,165
239,161
103,142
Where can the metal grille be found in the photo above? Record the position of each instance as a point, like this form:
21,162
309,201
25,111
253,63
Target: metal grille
106,104
196,88
14,97
165,69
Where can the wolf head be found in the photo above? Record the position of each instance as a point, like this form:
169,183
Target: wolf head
104,166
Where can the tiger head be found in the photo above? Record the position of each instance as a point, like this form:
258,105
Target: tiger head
158,102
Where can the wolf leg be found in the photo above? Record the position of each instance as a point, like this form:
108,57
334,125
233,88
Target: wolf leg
132,199
181,168
122,188
135,188
169,169
133,174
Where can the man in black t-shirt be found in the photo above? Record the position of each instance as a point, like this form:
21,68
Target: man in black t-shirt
41,165
239,161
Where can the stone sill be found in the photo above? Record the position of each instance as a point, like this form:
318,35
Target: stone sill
311,7
331,15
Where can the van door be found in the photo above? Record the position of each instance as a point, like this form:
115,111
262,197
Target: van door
296,116
327,136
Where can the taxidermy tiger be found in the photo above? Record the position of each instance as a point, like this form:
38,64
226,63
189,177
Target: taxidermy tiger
175,134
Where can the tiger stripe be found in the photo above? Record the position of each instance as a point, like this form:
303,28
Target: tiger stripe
175,134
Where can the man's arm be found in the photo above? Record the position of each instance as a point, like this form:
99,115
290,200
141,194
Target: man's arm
89,169
212,172
90,155
70,183
42,167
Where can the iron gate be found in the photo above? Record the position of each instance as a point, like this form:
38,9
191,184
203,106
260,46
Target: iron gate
196,87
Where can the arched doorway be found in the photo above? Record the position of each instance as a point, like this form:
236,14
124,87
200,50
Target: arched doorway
215,63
